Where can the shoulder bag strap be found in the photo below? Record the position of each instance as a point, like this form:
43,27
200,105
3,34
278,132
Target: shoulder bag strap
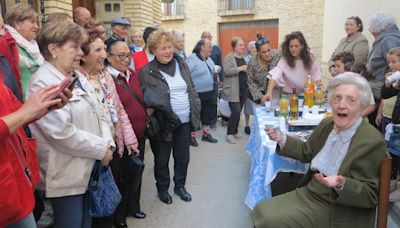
130,90
209,68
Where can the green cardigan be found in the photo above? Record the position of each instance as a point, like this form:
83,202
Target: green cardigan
354,206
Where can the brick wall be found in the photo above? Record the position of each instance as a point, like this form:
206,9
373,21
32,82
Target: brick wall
52,6
10,3
143,13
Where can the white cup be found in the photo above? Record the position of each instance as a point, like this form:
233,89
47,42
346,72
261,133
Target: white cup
315,110
301,102
268,105
306,110
217,69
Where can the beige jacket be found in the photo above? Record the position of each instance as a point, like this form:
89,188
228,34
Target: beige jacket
69,140
356,44
231,87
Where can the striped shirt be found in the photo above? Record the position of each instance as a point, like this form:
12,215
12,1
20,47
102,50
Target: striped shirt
179,96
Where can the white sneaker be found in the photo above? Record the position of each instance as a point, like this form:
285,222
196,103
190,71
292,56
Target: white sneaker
238,136
230,139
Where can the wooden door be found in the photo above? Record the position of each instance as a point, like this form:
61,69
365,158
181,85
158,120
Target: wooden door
248,31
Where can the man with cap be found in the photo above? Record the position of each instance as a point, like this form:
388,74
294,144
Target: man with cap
120,27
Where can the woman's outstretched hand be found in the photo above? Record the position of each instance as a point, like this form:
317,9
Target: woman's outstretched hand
336,182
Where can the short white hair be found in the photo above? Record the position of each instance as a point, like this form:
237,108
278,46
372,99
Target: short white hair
177,34
380,21
350,78
250,45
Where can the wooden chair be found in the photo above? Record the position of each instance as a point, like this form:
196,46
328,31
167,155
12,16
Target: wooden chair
384,187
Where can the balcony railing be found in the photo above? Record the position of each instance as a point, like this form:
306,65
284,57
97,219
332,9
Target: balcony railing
235,7
173,11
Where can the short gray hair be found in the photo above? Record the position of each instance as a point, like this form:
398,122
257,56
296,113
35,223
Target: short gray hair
251,43
350,78
177,34
380,21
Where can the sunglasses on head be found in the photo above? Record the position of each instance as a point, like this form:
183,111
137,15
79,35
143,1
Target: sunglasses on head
262,41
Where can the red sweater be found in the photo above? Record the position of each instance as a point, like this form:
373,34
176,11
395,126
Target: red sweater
140,60
135,111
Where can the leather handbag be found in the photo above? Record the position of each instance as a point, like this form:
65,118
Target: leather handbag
104,195
133,170
152,124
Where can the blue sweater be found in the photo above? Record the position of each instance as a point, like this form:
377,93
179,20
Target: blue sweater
202,78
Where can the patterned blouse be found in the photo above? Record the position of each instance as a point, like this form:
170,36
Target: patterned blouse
257,76
102,93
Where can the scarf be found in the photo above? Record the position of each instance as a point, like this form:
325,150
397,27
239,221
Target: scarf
30,46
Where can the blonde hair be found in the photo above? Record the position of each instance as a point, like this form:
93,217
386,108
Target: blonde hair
20,12
158,36
59,32
133,33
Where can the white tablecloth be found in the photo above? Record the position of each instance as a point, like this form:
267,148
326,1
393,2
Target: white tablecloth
266,163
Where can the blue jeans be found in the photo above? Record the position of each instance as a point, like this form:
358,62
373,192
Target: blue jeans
393,146
71,211
27,222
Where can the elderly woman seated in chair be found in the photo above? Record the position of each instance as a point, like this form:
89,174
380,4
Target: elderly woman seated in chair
345,152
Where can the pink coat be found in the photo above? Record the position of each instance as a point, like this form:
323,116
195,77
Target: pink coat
124,130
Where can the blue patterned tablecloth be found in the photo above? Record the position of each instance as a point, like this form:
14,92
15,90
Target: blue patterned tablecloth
266,163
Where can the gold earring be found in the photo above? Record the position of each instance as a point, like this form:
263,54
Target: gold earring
54,56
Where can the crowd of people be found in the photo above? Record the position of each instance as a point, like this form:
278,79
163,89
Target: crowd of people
134,85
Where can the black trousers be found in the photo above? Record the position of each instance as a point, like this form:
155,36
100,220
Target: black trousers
130,199
180,151
236,109
208,111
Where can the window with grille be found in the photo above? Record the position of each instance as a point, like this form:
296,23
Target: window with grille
175,8
225,5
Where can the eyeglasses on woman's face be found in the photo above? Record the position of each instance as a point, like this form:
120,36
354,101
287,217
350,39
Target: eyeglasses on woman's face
122,56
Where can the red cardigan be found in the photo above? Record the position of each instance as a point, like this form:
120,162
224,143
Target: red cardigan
16,153
135,111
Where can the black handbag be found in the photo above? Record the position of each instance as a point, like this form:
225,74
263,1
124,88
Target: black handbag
132,172
152,124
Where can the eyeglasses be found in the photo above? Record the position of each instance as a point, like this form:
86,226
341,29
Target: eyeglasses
351,101
262,41
122,57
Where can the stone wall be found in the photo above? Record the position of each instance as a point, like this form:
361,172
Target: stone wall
301,15
52,6
143,13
